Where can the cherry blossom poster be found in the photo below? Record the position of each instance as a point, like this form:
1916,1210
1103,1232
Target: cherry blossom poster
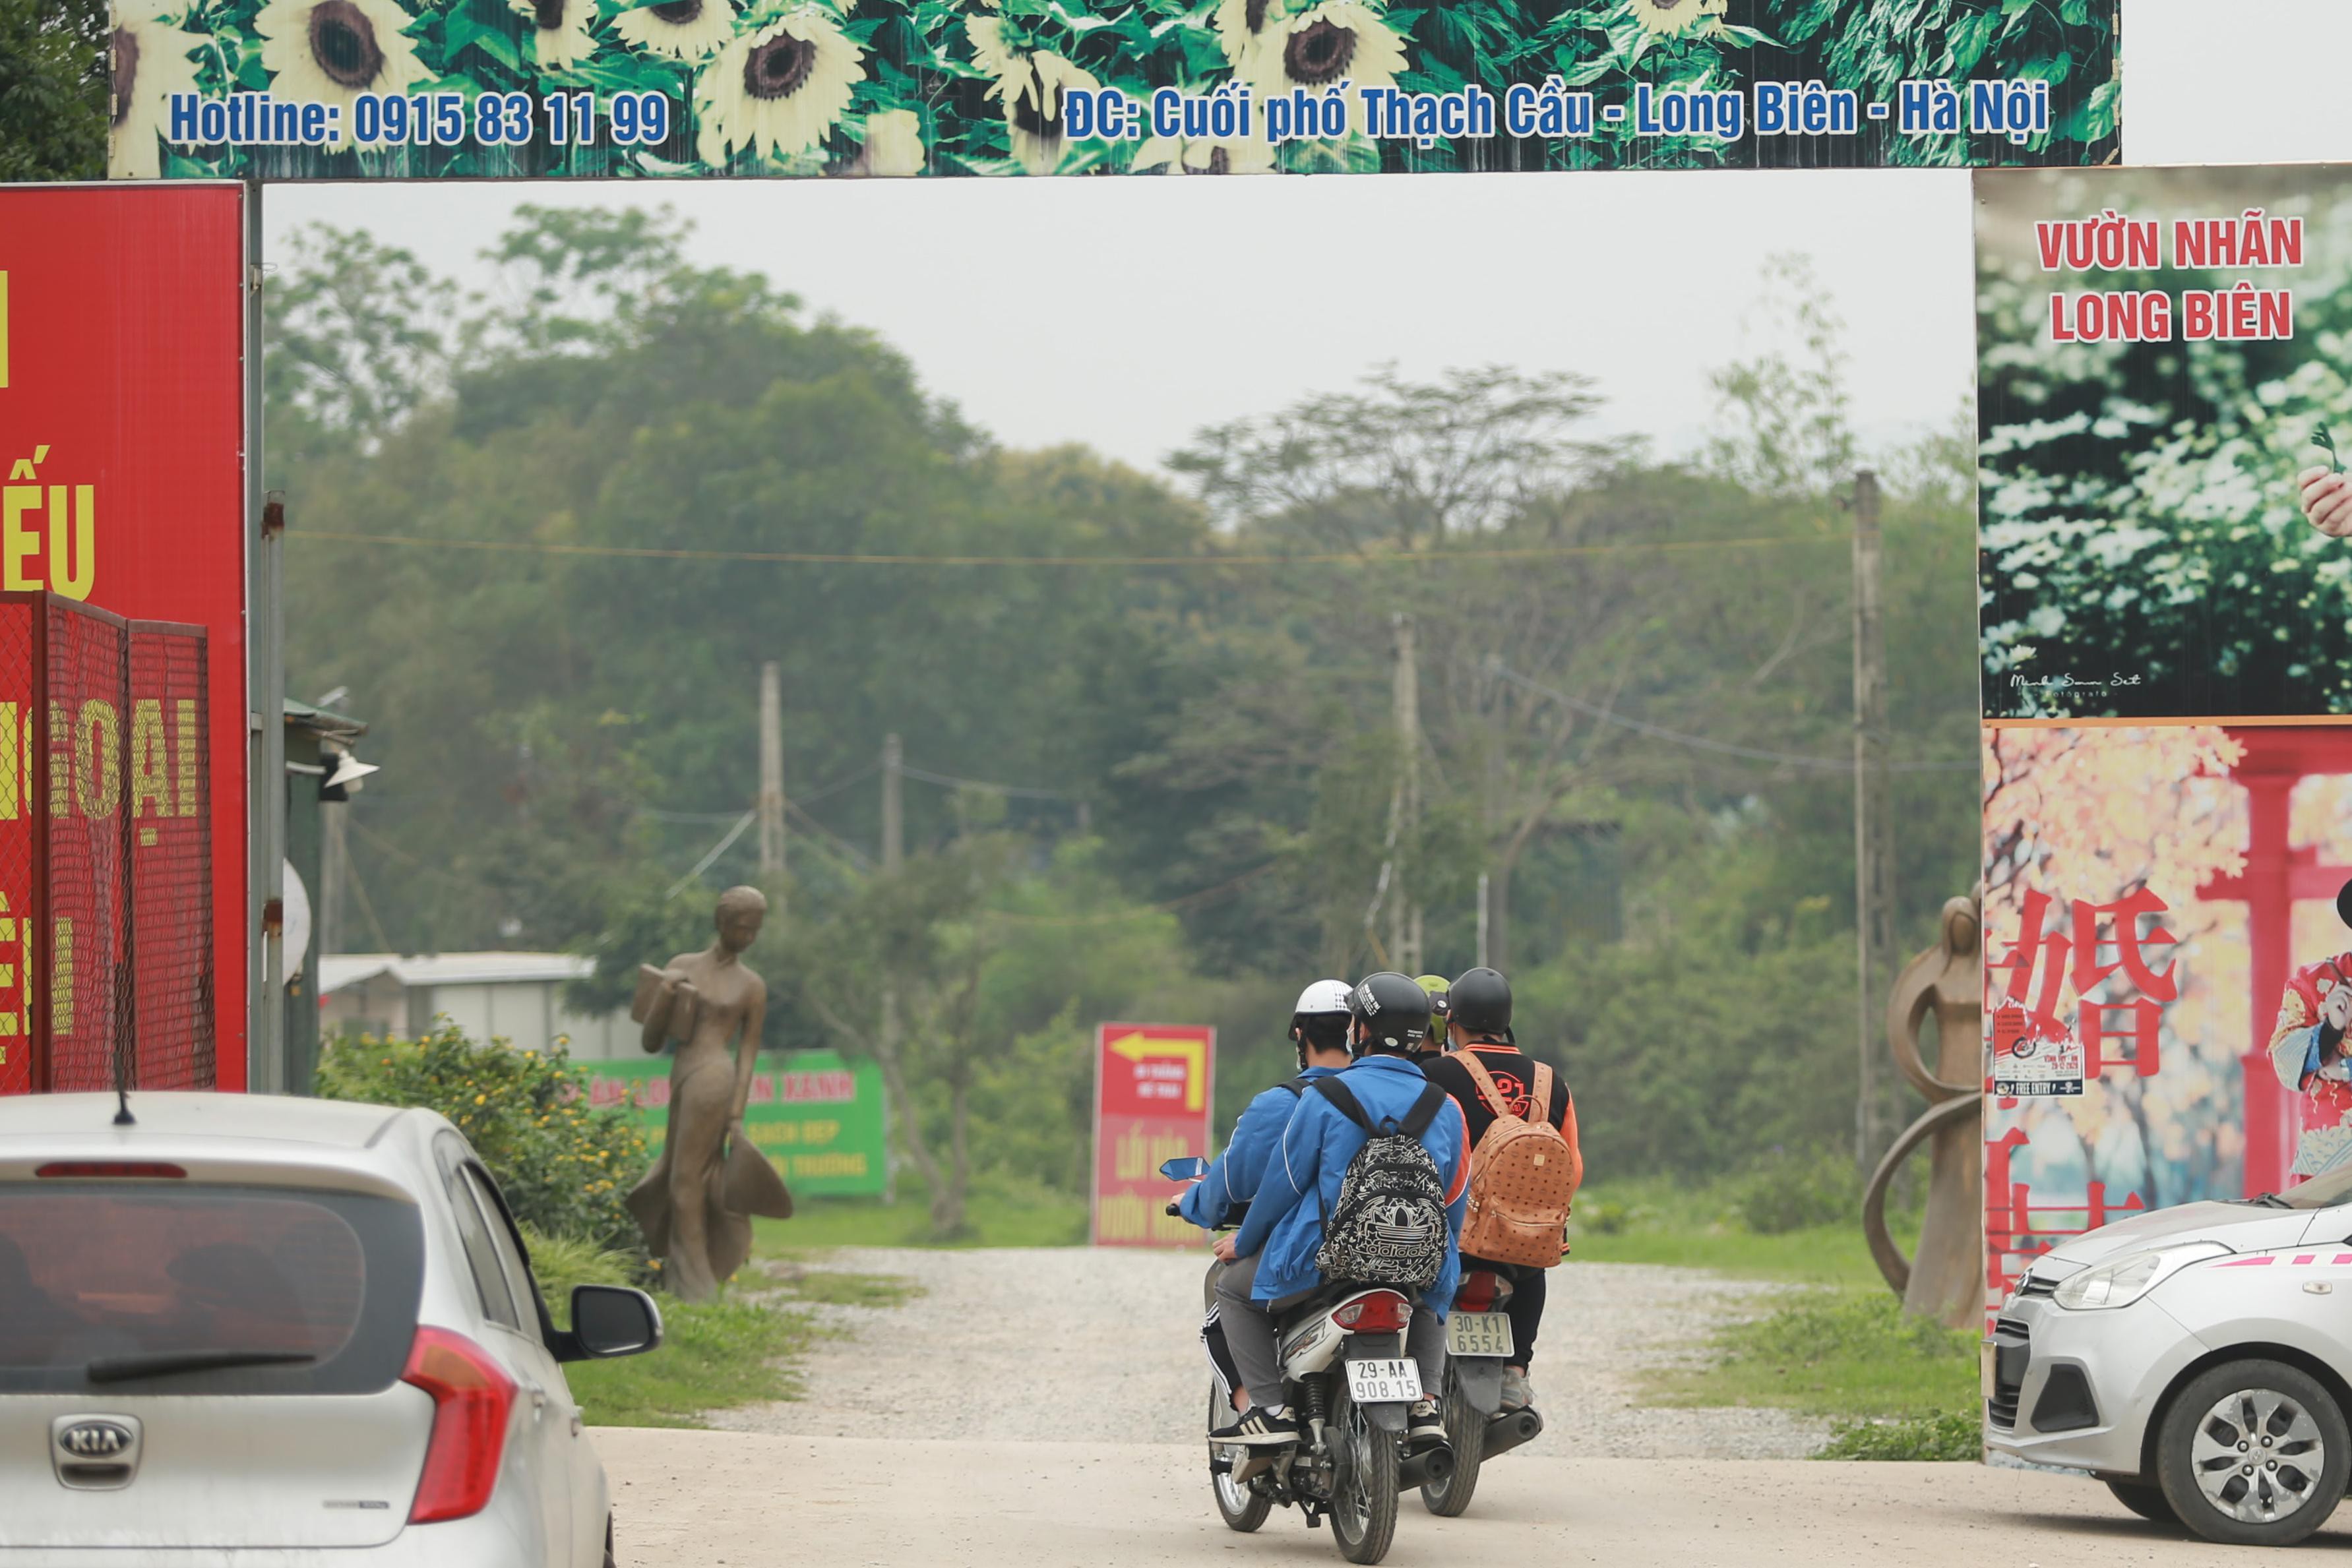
2164,911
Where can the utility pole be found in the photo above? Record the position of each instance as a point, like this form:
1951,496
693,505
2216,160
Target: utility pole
1873,827
894,846
893,840
771,772
332,849
1404,804
1482,920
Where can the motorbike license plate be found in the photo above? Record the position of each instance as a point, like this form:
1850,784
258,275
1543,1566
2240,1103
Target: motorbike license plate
1384,1382
1478,1333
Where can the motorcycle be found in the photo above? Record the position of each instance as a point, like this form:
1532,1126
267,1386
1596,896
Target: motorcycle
1477,1347
1346,1374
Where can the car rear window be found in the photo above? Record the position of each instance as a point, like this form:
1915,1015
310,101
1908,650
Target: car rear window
95,1272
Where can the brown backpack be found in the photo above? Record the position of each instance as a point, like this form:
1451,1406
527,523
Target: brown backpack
1523,1177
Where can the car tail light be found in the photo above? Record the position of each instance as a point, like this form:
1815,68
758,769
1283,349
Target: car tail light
1478,1292
70,1170
1375,1312
472,1397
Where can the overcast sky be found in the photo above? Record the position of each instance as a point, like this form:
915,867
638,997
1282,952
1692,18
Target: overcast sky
1124,313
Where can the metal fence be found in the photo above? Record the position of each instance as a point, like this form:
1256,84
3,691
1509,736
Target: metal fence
105,850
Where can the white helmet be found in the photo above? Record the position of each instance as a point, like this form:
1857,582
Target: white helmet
1322,997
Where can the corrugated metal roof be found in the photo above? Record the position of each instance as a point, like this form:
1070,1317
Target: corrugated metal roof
336,970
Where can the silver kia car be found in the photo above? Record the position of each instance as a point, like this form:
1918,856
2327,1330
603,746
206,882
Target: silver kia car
2196,1359
254,1329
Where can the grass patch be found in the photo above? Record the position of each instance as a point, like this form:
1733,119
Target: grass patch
1660,1221
714,1354
831,1289
996,1216
1854,1354
1948,1436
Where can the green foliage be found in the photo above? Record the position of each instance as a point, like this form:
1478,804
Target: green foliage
1200,762
1793,1189
1948,1435
563,1166
53,100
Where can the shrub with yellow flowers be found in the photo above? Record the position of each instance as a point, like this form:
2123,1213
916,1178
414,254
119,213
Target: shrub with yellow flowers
563,1163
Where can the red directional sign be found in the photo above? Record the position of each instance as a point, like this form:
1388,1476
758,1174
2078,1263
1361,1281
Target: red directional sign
1152,1100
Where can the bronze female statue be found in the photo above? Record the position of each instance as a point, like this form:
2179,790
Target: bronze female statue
708,1001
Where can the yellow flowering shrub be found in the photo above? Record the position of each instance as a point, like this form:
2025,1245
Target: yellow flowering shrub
562,1164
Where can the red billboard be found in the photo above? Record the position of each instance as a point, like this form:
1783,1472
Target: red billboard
1152,1100
122,434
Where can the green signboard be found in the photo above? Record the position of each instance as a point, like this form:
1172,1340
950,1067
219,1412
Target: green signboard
820,1119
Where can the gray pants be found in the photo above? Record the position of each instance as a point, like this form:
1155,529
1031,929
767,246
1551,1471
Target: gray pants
1249,1335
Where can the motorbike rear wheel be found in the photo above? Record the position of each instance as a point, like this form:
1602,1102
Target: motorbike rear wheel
1363,1481
1239,1506
1466,1430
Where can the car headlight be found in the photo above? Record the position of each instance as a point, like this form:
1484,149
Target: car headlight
2127,1279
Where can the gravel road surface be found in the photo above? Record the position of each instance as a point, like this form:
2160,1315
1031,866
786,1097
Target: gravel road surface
1078,1343
691,1500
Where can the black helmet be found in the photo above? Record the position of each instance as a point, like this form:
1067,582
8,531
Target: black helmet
1393,1009
1481,1002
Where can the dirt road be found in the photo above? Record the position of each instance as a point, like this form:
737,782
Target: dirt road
1078,1343
691,1499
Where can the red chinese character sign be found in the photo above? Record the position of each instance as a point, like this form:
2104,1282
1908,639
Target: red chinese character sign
2162,938
122,437
1152,1100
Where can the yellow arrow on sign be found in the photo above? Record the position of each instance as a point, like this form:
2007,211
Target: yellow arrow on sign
1191,1052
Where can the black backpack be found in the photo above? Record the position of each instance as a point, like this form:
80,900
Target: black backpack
1389,1224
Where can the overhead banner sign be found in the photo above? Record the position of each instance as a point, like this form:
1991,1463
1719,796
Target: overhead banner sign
1152,1100
344,89
820,1120
122,430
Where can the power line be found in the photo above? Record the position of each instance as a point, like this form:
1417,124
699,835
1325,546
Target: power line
1701,742
950,781
705,864
1313,557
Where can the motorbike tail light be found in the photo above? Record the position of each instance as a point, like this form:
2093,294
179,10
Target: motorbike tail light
472,1398
1478,1292
1374,1311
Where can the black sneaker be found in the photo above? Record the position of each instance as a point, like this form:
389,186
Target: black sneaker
1259,1427
1425,1426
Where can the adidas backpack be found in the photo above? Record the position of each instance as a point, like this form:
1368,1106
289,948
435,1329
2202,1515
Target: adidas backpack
1388,1226
1523,1175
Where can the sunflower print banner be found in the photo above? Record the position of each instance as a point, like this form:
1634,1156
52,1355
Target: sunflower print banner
344,89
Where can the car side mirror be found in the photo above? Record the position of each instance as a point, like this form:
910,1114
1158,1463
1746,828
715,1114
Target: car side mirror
1184,1167
609,1321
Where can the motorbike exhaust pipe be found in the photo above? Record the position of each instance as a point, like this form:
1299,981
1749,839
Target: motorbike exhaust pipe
1511,1428
1432,1465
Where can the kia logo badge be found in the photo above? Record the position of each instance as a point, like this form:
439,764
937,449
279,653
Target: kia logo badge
94,1440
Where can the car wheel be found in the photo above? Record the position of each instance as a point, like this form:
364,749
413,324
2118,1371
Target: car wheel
2146,1500
2253,1453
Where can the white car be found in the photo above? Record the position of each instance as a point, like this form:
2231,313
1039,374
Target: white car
2196,1359
271,1331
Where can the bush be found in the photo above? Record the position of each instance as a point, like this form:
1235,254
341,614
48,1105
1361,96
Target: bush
1796,1190
563,1166
1940,1435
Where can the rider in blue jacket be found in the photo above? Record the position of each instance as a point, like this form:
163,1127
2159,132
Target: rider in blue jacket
1318,1029
1276,1245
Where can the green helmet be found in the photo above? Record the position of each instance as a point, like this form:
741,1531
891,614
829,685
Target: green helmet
1440,1008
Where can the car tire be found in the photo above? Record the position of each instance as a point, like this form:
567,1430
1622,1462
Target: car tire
610,1561
2253,1453
2145,1499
